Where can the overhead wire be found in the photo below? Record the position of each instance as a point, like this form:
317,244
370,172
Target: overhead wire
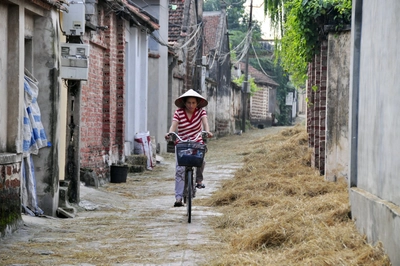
196,47
115,6
194,35
219,53
191,36
259,63
241,49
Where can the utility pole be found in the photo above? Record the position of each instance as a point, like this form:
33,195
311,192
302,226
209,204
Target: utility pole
245,86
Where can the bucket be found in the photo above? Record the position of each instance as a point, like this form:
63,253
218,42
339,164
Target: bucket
118,173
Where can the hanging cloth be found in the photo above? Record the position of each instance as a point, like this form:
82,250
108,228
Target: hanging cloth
34,138
34,134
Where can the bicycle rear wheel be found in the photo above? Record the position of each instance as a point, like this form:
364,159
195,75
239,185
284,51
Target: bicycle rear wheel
189,195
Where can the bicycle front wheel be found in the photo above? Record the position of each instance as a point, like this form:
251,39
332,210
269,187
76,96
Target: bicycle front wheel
189,195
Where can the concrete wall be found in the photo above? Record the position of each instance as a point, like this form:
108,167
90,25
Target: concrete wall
302,106
137,98
337,102
10,163
374,104
158,76
212,106
45,70
3,76
175,87
236,103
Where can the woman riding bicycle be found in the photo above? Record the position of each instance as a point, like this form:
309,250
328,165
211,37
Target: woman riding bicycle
189,120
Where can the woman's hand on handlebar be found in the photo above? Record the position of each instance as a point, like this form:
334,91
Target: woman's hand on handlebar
168,136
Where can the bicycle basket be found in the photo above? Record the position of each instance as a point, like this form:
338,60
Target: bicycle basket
190,154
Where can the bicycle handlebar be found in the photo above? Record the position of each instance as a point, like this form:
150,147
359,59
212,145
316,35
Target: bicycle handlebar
200,134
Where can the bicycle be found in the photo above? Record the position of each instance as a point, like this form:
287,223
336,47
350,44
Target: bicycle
190,153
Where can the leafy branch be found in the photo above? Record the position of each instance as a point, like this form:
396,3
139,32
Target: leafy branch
253,87
303,30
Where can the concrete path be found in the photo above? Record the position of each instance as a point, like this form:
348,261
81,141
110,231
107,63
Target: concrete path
132,223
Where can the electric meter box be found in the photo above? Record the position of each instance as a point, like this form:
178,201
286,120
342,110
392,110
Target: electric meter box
74,61
74,20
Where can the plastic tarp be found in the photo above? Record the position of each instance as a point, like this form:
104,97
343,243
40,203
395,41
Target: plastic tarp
34,135
28,189
34,138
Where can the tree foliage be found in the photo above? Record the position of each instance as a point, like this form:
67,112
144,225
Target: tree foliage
253,86
235,12
302,23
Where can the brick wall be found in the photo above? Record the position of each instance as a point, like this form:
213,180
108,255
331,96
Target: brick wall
310,96
322,106
259,104
316,109
10,202
222,127
260,113
102,105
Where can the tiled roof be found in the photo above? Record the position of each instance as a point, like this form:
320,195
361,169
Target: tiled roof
211,22
175,20
259,77
144,17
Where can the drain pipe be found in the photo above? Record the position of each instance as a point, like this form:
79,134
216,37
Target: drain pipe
354,89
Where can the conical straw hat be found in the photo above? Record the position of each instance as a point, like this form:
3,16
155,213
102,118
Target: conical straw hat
202,102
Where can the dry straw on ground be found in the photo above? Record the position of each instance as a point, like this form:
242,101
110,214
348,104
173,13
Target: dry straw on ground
279,211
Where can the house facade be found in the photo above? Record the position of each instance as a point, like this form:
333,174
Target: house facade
106,110
184,50
216,53
31,88
157,111
81,68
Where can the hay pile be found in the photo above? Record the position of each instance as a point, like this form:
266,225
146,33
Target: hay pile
279,211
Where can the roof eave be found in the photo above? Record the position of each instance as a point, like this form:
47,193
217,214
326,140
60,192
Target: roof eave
138,17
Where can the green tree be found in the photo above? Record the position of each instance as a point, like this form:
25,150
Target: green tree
302,25
211,5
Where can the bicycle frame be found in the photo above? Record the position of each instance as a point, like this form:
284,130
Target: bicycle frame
189,191
189,187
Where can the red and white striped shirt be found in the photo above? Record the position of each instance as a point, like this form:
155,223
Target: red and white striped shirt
189,128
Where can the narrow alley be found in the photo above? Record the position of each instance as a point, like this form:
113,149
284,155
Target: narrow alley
132,223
